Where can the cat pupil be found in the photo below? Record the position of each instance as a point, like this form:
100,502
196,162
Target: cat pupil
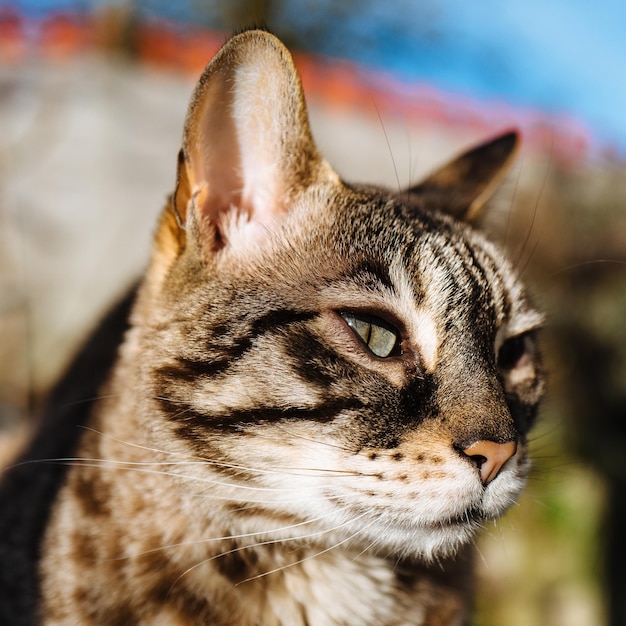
378,336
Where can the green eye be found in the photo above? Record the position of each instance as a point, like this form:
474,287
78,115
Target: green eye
380,338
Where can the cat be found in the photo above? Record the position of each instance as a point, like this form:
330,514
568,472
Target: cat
322,390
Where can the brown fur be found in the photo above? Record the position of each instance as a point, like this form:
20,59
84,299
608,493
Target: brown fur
251,460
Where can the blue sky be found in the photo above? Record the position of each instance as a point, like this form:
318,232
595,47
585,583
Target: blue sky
561,56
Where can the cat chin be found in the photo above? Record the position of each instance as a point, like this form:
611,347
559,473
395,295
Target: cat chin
447,542
428,544
446,539
446,545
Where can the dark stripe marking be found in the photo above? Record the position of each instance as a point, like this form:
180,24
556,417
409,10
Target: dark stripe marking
371,272
191,419
189,370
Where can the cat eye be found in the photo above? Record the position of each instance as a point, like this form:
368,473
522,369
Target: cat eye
379,337
513,350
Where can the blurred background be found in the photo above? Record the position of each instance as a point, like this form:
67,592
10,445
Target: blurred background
92,99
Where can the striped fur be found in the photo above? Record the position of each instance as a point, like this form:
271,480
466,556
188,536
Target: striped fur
250,461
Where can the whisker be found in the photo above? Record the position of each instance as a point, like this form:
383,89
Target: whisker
272,542
143,447
574,266
140,467
91,399
531,227
479,552
296,471
523,269
247,536
169,400
512,209
410,167
311,556
367,548
393,161
311,440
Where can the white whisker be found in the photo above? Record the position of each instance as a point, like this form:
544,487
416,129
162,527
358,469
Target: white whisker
309,439
139,467
136,465
312,556
143,447
273,542
251,534
367,548
393,161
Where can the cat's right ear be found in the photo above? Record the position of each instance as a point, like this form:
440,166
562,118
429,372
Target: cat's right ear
463,186
247,146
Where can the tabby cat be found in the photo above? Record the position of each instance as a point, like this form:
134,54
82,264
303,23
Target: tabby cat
322,392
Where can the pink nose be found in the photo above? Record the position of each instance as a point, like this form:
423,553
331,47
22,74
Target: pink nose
490,456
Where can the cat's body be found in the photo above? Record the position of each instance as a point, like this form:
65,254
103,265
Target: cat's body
323,392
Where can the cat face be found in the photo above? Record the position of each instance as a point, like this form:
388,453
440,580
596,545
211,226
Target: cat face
358,363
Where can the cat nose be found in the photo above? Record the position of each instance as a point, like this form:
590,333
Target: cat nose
490,456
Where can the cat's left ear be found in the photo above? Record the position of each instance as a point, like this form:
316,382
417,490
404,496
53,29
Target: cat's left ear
463,186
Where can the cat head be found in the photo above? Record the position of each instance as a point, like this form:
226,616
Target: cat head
365,359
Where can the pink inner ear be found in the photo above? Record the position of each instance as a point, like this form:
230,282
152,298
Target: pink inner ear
247,137
236,158
214,155
225,190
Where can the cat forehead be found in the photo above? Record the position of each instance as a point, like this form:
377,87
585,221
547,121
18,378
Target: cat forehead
426,255
420,244
371,250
